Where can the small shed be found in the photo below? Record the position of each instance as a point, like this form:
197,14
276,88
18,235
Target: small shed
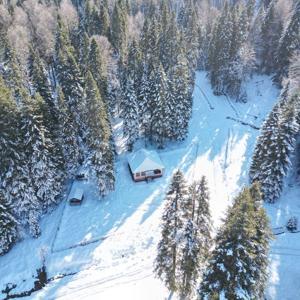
76,196
145,164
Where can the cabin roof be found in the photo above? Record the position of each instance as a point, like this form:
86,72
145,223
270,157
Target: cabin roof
76,193
144,160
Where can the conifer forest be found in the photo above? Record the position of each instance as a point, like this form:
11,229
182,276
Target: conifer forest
150,149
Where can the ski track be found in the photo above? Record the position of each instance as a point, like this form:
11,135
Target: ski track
111,242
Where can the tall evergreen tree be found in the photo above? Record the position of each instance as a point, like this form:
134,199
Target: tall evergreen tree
98,67
130,114
68,136
196,240
288,44
271,29
240,258
160,119
43,170
99,138
119,28
8,225
167,261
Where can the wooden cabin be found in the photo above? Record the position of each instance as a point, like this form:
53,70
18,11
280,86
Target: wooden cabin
76,196
145,164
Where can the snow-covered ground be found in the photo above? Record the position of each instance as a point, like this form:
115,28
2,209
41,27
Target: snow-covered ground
110,243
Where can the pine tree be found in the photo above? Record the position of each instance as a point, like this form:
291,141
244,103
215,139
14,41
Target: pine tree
240,257
119,28
288,44
197,237
70,80
188,268
202,215
105,20
99,138
219,51
160,118
262,143
13,74
166,264
97,120
271,29
130,114
271,159
84,49
282,145
42,168
181,100
68,137
9,124
98,68
8,225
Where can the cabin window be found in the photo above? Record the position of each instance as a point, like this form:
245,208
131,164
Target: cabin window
137,174
157,172
143,174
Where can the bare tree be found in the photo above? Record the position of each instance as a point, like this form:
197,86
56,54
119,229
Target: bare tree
69,14
19,34
42,22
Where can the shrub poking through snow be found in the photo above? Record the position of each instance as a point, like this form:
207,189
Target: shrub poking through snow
292,224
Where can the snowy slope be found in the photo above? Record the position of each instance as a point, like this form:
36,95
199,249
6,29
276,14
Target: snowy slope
111,243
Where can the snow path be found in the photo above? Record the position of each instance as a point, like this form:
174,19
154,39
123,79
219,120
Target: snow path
121,231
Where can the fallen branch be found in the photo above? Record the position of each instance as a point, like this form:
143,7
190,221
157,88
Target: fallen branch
243,123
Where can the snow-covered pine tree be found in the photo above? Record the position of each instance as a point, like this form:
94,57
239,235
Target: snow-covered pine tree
180,99
43,171
39,78
269,126
119,28
282,144
202,215
219,50
168,40
40,84
70,79
160,120
289,43
270,33
13,74
166,263
67,137
83,49
130,114
97,66
9,133
236,264
196,241
262,239
8,225
105,19
100,157
145,103
190,256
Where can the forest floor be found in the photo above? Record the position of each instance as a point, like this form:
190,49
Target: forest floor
108,245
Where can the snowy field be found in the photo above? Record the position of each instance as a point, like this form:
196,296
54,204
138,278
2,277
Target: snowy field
110,243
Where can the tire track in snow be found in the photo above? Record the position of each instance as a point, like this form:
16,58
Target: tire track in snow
205,97
130,274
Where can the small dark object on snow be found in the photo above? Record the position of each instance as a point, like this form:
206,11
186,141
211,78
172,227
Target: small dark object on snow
80,176
292,224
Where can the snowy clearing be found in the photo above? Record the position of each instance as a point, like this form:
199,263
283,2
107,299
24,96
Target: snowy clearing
111,242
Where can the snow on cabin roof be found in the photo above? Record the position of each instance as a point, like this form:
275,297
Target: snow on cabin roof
75,193
144,160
